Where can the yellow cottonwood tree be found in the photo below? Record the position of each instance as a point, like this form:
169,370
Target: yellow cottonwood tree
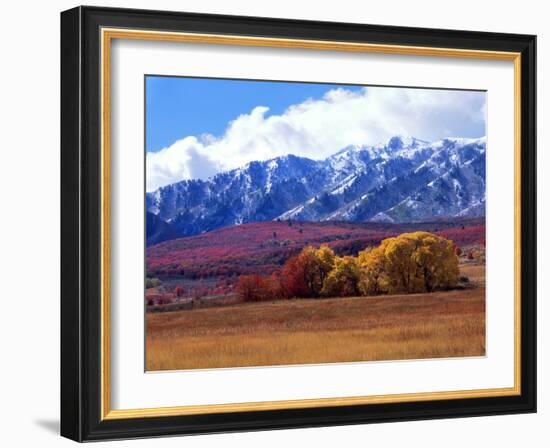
437,261
401,268
373,278
343,280
325,256
409,263
315,264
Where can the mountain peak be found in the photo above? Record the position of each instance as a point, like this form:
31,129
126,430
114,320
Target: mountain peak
400,142
404,180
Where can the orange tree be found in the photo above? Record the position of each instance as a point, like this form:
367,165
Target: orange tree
251,288
304,275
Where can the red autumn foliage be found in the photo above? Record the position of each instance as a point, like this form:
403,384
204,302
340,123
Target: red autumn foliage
465,235
262,248
293,278
251,248
257,288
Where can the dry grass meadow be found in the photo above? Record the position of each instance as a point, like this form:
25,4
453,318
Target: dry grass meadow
307,331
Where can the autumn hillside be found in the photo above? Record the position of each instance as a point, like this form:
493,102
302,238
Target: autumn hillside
263,247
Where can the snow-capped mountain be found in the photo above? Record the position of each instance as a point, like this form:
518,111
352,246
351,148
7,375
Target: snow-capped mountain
404,180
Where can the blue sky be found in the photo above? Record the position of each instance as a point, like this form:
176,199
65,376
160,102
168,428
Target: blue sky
197,127
177,107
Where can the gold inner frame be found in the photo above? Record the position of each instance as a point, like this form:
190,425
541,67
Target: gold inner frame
107,35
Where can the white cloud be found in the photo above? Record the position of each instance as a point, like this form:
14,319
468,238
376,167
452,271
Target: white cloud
318,128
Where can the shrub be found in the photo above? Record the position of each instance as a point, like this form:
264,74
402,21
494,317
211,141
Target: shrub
249,288
152,282
256,288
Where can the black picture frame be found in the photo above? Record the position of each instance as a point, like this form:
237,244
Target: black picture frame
81,224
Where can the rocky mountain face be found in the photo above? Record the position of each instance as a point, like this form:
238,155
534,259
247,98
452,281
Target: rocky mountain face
404,180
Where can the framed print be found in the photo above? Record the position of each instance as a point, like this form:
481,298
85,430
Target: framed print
276,224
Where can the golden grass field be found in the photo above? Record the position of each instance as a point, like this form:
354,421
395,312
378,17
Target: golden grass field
307,331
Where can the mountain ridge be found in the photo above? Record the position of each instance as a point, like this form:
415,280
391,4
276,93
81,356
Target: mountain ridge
403,180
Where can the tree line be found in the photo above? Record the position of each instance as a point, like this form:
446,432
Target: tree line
409,263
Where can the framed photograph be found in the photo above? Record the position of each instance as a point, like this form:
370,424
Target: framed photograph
274,223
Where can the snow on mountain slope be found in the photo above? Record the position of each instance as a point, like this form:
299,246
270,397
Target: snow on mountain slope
404,180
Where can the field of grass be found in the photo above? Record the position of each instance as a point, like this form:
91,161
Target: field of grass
305,331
